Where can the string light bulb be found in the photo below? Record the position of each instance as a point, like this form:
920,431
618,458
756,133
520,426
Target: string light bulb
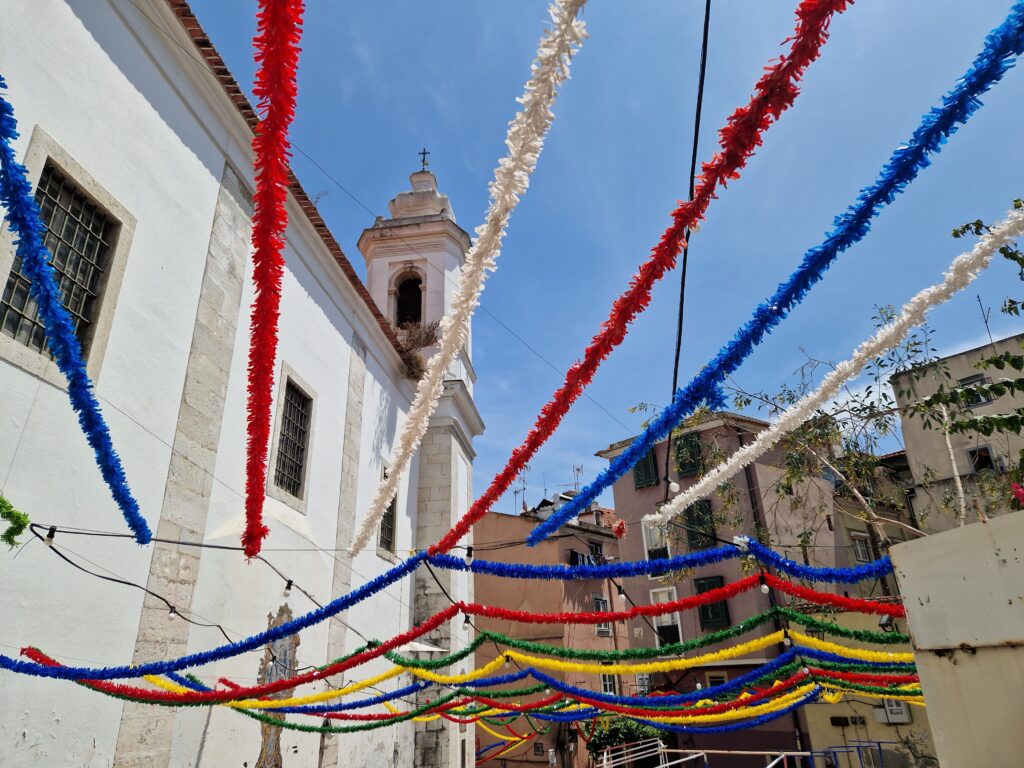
465,621
50,534
469,553
288,588
699,686
673,487
172,611
622,592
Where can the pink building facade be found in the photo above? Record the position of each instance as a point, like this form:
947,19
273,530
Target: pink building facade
500,537
801,525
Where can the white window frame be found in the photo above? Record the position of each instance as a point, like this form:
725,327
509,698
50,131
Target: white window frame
43,148
605,628
666,619
647,533
643,683
860,539
609,681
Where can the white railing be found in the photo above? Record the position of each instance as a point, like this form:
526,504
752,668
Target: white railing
623,754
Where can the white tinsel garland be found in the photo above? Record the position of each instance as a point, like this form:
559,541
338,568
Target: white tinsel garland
962,272
511,178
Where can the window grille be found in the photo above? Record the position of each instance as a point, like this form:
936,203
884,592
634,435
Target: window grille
386,541
79,237
293,440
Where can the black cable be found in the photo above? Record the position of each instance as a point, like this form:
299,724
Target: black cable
205,65
686,240
170,606
179,542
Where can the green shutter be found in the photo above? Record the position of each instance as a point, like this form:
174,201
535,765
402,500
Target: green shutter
700,525
645,471
688,454
713,615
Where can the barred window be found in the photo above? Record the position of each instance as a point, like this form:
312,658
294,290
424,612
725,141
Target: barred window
386,539
293,440
80,237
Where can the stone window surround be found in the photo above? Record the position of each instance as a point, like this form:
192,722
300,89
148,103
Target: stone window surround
285,374
42,148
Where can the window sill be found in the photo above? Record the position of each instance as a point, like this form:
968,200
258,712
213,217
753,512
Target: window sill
391,557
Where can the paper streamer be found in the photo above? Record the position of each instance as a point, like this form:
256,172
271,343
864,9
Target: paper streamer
962,272
511,178
277,54
23,219
774,93
1002,47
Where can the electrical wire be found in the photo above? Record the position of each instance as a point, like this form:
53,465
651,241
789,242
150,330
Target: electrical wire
686,237
189,54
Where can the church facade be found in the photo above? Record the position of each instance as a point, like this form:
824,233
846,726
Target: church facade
137,140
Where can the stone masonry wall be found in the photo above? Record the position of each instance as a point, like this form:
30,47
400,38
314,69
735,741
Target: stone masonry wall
341,584
146,732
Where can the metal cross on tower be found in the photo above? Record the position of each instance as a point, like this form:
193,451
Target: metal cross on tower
423,157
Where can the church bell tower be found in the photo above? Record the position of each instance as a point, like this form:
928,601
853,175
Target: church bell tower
413,260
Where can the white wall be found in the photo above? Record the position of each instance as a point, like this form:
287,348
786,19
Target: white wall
147,124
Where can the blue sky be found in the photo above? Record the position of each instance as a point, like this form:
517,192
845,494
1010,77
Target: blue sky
380,79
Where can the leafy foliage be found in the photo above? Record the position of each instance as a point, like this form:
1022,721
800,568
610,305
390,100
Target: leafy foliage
17,522
621,730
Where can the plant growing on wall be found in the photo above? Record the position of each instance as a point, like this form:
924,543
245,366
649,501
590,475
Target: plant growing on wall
618,731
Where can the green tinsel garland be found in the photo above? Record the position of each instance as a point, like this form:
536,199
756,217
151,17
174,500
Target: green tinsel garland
17,522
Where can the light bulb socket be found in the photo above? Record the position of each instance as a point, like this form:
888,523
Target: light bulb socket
469,553
172,611
50,535
288,587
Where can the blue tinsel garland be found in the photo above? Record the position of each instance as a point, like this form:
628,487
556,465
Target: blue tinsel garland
23,218
332,608
753,722
671,699
1002,46
661,566
873,570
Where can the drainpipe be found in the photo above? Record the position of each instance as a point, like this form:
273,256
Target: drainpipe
760,528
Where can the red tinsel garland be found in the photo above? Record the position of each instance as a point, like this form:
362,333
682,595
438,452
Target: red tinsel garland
256,691
783,685
836,601
602,617
865,678
773,94
475,609
277,55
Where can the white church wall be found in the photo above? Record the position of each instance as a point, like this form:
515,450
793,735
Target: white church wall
131,108
91,105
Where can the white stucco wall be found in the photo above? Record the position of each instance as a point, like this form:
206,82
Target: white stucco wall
155,131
